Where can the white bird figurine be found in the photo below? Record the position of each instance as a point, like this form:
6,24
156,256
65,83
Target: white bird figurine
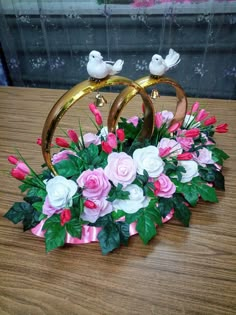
99,69
158,65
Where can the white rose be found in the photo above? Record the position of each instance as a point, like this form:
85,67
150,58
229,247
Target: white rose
148,159
60,191
103,132
135,202
188,120
191,169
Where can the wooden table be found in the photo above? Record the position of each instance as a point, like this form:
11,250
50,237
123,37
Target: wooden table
182,271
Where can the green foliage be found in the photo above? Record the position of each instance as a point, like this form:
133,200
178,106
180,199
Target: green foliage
55,233
23,211
112,235
182,212
218,155
74,227
117,193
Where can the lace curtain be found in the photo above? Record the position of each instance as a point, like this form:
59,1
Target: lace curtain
46,43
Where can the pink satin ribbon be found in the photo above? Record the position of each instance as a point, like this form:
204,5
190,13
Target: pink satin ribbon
90,233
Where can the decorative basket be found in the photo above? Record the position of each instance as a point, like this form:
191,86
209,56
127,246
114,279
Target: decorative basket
134,177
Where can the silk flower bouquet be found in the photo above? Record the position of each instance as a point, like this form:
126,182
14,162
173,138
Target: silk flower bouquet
111,186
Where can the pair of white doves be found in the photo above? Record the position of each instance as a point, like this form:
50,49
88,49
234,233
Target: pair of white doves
99,69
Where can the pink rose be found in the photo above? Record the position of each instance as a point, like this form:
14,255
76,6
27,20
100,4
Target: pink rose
167,188
60,156
95,184
111,140
121,168
185,143
169,147
48,209
91,138
133,120
103,207
167,116
204,157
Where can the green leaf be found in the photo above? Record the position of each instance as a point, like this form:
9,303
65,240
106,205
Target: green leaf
207,193
118,214
123,229
102,221
146,227
22,211
189,191
132,217
55,236
109,238
182,212
118,193
54,219
165,205
74,227
219,180
32,199
66,168
38,205
218,155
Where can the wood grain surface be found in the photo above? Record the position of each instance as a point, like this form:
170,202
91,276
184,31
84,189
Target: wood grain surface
182,271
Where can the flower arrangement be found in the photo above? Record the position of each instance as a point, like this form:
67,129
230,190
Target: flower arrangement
111,186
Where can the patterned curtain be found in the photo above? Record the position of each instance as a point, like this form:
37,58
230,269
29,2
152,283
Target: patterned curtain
46,43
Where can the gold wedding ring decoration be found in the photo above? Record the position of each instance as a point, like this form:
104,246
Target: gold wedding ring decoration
133,88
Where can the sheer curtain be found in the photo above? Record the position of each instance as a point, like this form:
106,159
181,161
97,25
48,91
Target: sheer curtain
46,43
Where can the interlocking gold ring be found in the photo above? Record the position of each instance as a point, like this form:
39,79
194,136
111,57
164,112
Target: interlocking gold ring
127,94
84,88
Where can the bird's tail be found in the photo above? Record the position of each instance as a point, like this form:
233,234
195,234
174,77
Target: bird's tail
172,59
117,67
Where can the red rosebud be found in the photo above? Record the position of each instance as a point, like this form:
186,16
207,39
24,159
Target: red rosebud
93,109
73,135
223,128
195,107
39,141
98,118
202,114
192,133
61,142
143,108
12,159
184,156
157,186
174,127
18,174
65,216
210,121
106,147
164,151
120,134
111,140
90,204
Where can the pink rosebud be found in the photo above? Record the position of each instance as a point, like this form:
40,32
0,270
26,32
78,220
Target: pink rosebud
61,142
192,133
39,141
23,168
12,159
202,114
195,107
111,140
106,147
93,109
223,128
158,120
73,135
210,121
120,134
184,156
133,120
164,151
98,118
65,216
18,174
90,204
174,127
